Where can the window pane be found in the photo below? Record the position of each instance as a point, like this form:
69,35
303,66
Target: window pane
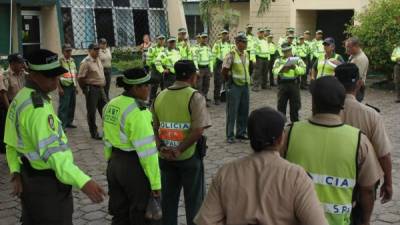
67,25
156,4
82,20
125,31
157,23
81,3
104,25
190,24
139,3
103,3
65,3
121,3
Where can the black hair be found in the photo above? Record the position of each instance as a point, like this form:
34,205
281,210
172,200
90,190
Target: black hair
134,73
345,73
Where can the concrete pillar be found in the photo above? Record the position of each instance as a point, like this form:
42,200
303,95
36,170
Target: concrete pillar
176,16
50,29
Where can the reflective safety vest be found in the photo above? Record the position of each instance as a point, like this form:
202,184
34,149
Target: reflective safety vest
167,59
172,110
326,67
34,131
221,49
240,69
204,57
395,55
152,54
68,78
291,74
318,48
271,48
301,50
184,50
128,126
262,48
329,155
251,41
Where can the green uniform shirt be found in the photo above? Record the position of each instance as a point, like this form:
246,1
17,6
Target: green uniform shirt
203,56
153,53
300,69
37,134
167,60
221,49
128,126
395,54
184,50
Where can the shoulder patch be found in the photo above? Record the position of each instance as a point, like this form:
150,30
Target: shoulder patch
37,100
50,120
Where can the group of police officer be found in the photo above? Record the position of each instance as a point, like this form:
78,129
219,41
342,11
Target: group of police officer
157,153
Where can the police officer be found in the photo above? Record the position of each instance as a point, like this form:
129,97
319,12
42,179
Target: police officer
325,65
273,53
106,58
235,70
183,44
220,49
165,62
396,71
369,122
153,52
38,155
318,46
302,50
205,60
250,47
11,81
338,157
289,41
286,71
262,60
92,82
180,118
133,172
67,88
289,32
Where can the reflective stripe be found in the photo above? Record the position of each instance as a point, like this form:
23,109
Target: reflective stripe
26,103
332,181
52,150
45,142
122,134
107,144
337,208
32,156
144,141
148,152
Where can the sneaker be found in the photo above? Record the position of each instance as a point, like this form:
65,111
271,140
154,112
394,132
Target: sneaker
97,136
230,141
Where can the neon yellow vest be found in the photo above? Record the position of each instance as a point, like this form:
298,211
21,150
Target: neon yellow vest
262,48
221,49
328,154
68,79
172,110
240,70
203,55
325,67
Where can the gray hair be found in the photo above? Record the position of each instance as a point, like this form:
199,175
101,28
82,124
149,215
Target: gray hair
354,41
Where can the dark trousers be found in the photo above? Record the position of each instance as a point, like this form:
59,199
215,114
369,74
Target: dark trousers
188,174
157,77
203,81
66,108
289,92
237,110
45,200
107,75
129,189
270,67
396,79
3,116
261,73
304,78
168,80
218,81
95,100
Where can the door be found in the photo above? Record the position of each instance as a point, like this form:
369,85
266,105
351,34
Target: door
31,31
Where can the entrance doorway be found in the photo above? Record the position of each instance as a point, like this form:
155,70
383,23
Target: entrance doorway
333,23
31,31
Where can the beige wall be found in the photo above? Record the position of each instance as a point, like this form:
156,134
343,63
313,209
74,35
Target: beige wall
244,9
15,30
176,16
305,20
50,29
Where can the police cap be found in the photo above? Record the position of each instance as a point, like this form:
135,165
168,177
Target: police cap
182,30
67,47
94,46
184,69
45,62
329,41
319,32
171,39
136,76
286,47
241,37
265,126
328,93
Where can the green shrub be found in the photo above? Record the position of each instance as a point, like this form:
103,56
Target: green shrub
127,64
378,27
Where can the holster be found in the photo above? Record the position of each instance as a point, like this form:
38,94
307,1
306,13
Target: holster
201,147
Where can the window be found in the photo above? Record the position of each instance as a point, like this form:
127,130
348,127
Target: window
139,4
65,3
67,25
83,27
121,3
104,26
103,3
195,25
82,3
157,23
141,24
125,31
156,4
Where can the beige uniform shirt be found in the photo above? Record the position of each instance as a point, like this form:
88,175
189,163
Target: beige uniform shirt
105,57
369,122
228,60
369,170
199,113
362,62
264,189
92,72
12,82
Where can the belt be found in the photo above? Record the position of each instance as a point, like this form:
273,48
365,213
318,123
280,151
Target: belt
263,58
287,81
122,152
26,165
203,66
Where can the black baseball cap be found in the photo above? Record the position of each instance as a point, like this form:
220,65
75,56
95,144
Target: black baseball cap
184,69
328,93
347,73
17,58
329,41
45,62
265,125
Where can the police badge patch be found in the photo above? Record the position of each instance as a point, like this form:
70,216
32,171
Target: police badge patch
50,119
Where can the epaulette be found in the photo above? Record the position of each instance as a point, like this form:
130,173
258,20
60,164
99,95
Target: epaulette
373,107
37,99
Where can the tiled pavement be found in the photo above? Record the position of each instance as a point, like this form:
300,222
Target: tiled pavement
88,155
